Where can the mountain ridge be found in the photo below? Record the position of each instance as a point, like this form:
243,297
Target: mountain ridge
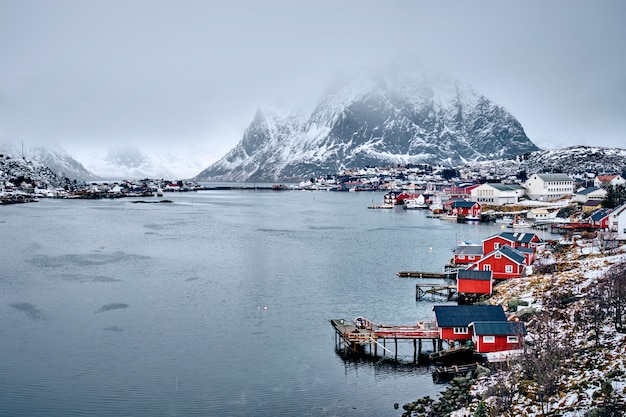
401,118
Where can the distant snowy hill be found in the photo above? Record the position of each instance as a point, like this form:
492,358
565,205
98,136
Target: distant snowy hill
53,157
571,160
18,169
399,118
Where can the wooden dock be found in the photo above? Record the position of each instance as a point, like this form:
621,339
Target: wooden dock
361,334
434,290
443,374
427,275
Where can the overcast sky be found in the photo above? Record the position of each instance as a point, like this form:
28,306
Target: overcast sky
191,74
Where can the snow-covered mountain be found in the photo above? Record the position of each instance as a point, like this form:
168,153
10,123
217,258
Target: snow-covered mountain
53,157
398,118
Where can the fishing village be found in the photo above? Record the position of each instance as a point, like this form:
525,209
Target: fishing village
484,324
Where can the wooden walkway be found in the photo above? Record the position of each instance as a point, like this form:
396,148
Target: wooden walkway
354,337
423,290
426,275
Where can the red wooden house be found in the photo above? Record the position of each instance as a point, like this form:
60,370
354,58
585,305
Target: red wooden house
466,208
474,282
496,336
460,189
504,263
453,321
467,254
600,218
514,240
529,254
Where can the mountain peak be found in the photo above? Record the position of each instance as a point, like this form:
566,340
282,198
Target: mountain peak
394,117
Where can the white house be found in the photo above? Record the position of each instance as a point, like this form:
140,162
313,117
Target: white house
601,181
589,193
494,193
549,187
617,222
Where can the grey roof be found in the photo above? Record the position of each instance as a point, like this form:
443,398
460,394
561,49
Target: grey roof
462,316
554,177
512,254
525,250
517,237
469,250
473,274
512,328
588,190
500,186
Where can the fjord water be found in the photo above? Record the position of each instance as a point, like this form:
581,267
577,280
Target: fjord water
215,304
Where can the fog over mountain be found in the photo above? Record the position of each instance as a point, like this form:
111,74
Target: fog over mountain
396,117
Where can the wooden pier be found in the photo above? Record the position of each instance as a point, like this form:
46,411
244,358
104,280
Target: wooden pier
427,275
434,290
356,337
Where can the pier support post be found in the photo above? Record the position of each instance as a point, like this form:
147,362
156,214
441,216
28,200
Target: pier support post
396,352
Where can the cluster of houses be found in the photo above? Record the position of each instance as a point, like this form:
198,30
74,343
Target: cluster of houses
502,256
28,192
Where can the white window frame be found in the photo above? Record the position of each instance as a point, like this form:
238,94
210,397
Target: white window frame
486,267
496,245
508,269
489,339
460,330
497,255
512,339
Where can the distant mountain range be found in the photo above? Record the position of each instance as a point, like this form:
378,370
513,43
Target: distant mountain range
55,158
398,118
571,160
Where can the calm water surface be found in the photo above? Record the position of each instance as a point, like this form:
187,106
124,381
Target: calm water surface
215,304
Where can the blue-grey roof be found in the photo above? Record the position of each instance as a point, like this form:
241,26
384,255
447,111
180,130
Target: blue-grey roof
465,204
512,254
600,214
517,237
509,328
462,316
500,186
473,274
588,190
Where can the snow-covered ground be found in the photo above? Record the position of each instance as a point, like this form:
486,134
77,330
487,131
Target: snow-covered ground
580,389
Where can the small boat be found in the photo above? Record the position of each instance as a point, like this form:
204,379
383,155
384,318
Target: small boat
382,206
470,218
505,220
414,204
520,224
